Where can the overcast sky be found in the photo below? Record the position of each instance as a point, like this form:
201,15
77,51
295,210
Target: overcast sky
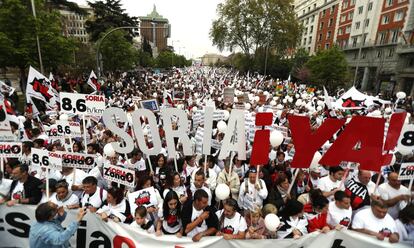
190,22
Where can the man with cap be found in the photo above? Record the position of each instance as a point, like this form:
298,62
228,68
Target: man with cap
252,191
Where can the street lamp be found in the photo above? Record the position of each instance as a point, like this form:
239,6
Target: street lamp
98,57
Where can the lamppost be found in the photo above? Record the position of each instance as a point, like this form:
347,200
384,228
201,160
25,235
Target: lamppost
98,57
37,40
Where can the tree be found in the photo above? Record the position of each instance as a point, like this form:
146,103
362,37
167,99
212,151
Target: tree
109,14
298,62
249,25
117,52
145,59
329,68
18,29
146,47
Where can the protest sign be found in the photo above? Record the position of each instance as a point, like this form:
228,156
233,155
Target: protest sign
150,104
406,171
10,149
66,128
45,158
119,175
144,197
78,160
5,129
406,141
82,104
228,95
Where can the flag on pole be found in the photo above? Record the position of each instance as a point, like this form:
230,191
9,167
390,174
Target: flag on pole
54,84
93,82
6,89
39,87
167,99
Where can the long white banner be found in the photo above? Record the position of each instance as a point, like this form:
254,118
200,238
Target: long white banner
15,225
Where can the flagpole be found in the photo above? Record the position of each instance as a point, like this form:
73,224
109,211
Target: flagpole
37,40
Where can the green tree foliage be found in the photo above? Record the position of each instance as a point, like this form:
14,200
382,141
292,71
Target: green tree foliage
118,53
298,64
145,59
18,29
168,59
329,68
249,25
108,14
146,47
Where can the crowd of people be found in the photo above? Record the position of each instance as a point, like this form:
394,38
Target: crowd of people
317,199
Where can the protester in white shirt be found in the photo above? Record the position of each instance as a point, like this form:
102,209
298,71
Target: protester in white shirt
169,216
252,191
64,197
199,183
332,183
231,224
73,177
376,222
116,207
141,221
5,185
93,196
394,194
340,211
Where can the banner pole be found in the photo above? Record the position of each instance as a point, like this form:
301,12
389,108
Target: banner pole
348,167
2,165
175,164
230,165
47,184
205,164
293,181
377,183
410,186
150,165
84,130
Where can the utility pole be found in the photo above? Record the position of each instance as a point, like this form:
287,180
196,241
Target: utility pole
37,40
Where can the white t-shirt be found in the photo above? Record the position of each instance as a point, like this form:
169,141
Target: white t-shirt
139,165
95,200
170,223
44,197
338,215
207,190
180,190
365,219
232,226
79,176
135,225
326,185
387,192
200,228
72,200
18,190
5,187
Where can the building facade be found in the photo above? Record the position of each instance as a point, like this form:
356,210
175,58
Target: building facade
73,24
156,29
376,36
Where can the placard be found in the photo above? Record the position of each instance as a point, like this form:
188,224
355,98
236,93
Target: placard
406,140
69,129
10,149
406,171
120,175
218,115
44,158
78,160
5,129
150,104
82,104
144,197
228,95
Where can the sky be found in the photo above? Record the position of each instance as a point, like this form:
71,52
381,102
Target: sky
190,22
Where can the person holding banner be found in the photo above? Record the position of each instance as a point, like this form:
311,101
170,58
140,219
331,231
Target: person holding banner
294,224
169,216
395,195
375,221
198,217
231,224
116,207
64,197
332,183
24,188
4,187
253,191
93,197
340,211
48,230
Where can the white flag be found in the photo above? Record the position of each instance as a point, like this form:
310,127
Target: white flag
39,87
93,82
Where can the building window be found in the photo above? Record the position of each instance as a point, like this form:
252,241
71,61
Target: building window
303,12
333,9
364,55
330,22
391,52
389,3
321,26
394,37
351,15
311,29
353,2
327,46
382,39
304,41
306,30
310,40
357,24
307,21
398,16
308,49
365,39
328,35
370,6
355,55
354,41
313,18
340,31
366,22
343,18
314,5
360,10
345,5
379,54
320,37
385,19
323,12
309,9
348,29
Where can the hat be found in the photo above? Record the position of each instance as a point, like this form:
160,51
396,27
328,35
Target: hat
52,184
315,169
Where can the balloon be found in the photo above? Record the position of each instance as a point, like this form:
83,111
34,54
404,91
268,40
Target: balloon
273,102
304,96
276,138
319,108
401,95
284,100
298,103
222,191
388,110
279,106
256,98
297,95
266,93
175,85
290,99
272,222
221,126
63,117
21,118
316,158
226,115
194,109
247,106
219,99
260,109
109,150
155,94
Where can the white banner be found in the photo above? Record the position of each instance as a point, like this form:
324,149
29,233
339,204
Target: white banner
82,104
78,160
406,171
69,129
41,157
15,225
120,175
144,197
10,150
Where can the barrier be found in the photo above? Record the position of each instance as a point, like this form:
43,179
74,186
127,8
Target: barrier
15,226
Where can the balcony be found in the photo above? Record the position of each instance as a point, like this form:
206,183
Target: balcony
405,48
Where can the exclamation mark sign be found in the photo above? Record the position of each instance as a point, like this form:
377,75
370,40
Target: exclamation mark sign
394,130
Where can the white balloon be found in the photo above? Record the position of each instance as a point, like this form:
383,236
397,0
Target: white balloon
221,126
109,150
260,109
256,98
290,99
276,138
401,95
304,95
63,117
272,222
279,106
284,100
319,108
273,102
175,85
316,158
297,95
155,94
298,103
226,115
388,110
266,93
219,99
247,106
222,191
194,109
